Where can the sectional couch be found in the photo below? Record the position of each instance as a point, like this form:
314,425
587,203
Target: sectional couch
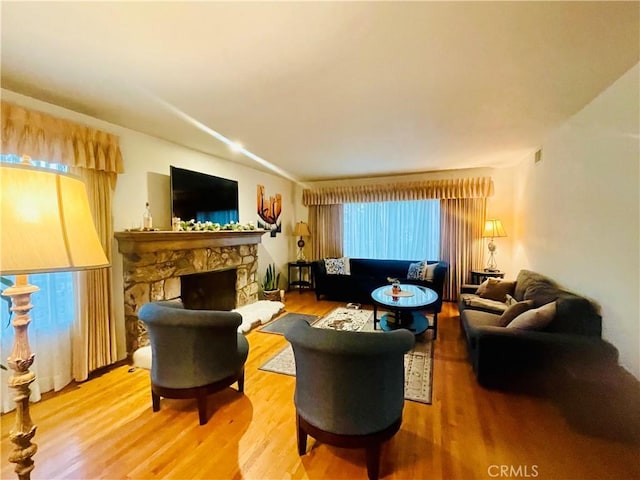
365,275
556,331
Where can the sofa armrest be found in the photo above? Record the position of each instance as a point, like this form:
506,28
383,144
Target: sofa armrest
319,277
468,288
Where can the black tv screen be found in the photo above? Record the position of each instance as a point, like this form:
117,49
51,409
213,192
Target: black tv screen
201,197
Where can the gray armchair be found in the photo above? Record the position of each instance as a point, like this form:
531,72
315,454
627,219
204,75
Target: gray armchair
193,352
349,387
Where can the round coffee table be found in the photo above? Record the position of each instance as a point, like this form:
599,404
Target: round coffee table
404,308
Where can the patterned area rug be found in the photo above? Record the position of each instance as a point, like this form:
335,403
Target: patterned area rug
418,362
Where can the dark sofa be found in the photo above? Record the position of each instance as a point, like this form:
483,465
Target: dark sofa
502,356
369,274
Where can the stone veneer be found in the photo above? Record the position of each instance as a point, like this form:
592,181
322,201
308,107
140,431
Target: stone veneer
153,263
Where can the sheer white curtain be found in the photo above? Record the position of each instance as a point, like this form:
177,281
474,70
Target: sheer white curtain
50,333
50,330
403,230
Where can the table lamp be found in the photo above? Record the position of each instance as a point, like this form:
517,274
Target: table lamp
301,230
46,226
492,229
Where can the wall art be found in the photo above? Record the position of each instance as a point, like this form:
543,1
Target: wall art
269,210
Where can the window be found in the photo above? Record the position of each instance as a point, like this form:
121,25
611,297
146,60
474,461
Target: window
407,230
51,325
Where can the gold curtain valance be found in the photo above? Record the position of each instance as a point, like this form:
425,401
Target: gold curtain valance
481,187
43,136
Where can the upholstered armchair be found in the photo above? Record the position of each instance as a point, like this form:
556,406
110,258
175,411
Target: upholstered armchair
193,352
349,387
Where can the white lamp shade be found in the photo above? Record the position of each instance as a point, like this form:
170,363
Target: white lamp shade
46,223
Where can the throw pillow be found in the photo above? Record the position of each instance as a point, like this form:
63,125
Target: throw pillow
421,271
495,289
429,270
482,287
514,311
541,293
536,318
415,271
337,266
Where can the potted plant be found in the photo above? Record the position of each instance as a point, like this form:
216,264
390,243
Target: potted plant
270,283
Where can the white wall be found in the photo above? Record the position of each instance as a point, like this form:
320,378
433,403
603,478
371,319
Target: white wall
577,213
500,205
146,178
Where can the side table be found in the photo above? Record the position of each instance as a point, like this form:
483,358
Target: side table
479,276
301,280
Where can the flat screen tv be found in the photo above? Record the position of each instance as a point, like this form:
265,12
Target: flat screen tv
203,197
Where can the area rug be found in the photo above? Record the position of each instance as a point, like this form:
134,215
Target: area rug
280,325
418,363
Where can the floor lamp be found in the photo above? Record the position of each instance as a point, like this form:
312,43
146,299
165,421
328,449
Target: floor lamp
493,229
46,226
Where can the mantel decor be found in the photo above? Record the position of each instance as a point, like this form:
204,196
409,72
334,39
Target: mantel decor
193,226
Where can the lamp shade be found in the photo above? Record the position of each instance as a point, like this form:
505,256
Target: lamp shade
493,229
302,230
46,223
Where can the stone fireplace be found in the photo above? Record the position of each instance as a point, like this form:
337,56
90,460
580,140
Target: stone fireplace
214,270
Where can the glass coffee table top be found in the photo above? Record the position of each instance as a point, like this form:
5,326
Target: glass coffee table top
420,297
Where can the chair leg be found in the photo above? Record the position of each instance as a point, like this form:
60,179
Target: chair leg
202,405
435,325
302,437
155,401
373,461
241,382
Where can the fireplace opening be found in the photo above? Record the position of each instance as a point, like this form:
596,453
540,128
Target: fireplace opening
209,290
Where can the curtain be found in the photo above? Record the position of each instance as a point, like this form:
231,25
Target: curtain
94,335
55,140
481,187
326,223
461,224
400,230
52,319
95,156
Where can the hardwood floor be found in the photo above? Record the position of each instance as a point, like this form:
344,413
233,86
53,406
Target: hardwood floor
104,428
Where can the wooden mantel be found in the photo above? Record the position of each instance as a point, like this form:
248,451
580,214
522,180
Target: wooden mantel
146,242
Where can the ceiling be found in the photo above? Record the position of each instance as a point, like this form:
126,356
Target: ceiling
326,90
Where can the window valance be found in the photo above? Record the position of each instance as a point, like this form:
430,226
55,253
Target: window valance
480,187
40,136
